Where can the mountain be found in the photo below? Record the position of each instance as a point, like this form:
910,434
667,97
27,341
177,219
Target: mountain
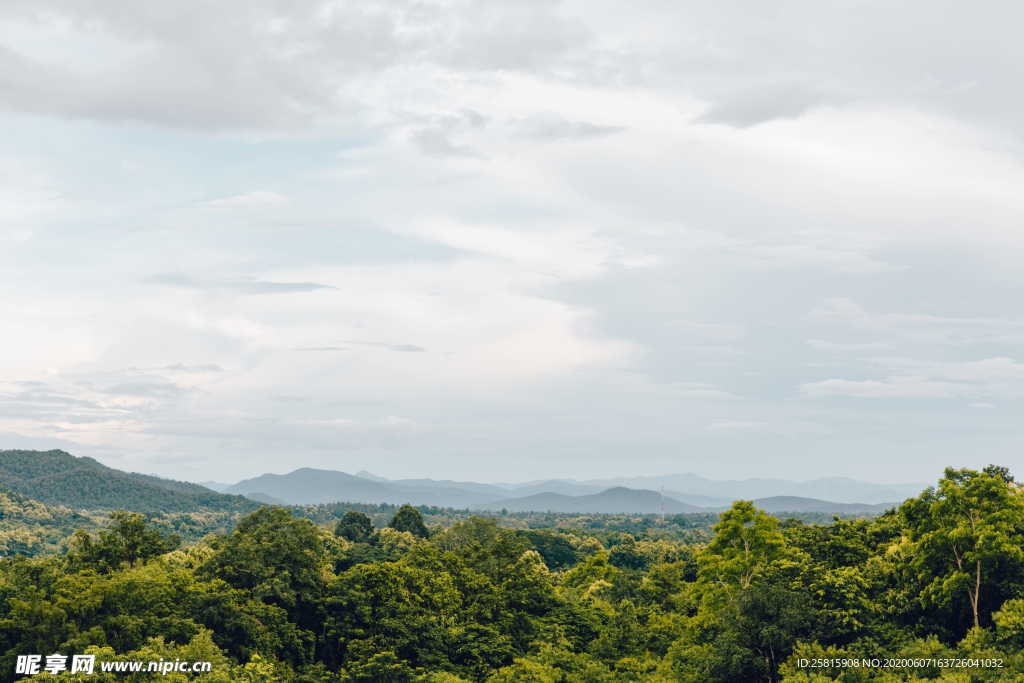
218,486
486,490
59,478
265,499
689,488
310,486
839,489
614,500
566,487
711,502
776,504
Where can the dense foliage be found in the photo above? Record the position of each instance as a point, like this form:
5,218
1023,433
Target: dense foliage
283,597
28,527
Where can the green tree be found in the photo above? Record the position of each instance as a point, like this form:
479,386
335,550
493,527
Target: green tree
626,555
382,667
355,527
128,540
409,519
967,536
282,562
555,548
746,542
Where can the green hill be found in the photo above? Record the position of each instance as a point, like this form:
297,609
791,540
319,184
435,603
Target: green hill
59,478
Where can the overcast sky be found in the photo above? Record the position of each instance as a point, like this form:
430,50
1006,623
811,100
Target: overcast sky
513,240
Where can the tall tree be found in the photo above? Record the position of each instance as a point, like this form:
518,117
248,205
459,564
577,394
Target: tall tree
967,537
128,540
409,519
276,558
746,541
354,526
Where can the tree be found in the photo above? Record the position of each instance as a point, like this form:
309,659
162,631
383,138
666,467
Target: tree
769,621
746,542
967,537
391,606
625,555
409,519
382,667
555,548
128,540
355,527
277,558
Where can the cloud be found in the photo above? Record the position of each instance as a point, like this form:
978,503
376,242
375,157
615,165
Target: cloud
894,387
236,286
736,425
768,102
546,233
437,138
914,378
435,142
549,127
256,65
699,390
960,330
13,440
405,348
787,428
846,347
203,368
250,200
143,388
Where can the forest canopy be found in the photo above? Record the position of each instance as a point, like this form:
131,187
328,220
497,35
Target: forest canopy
363,595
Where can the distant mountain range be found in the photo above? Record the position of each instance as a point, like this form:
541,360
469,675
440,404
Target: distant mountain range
675,494
777,504
639,501
307,486
611,501
838,489
58,478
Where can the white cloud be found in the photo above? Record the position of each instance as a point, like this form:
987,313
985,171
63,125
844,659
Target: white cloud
545,233
258,199
924,327
846,347
893,387
982,378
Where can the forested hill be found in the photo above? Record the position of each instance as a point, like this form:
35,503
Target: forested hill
59,478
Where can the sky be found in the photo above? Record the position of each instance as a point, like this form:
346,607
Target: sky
506,241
